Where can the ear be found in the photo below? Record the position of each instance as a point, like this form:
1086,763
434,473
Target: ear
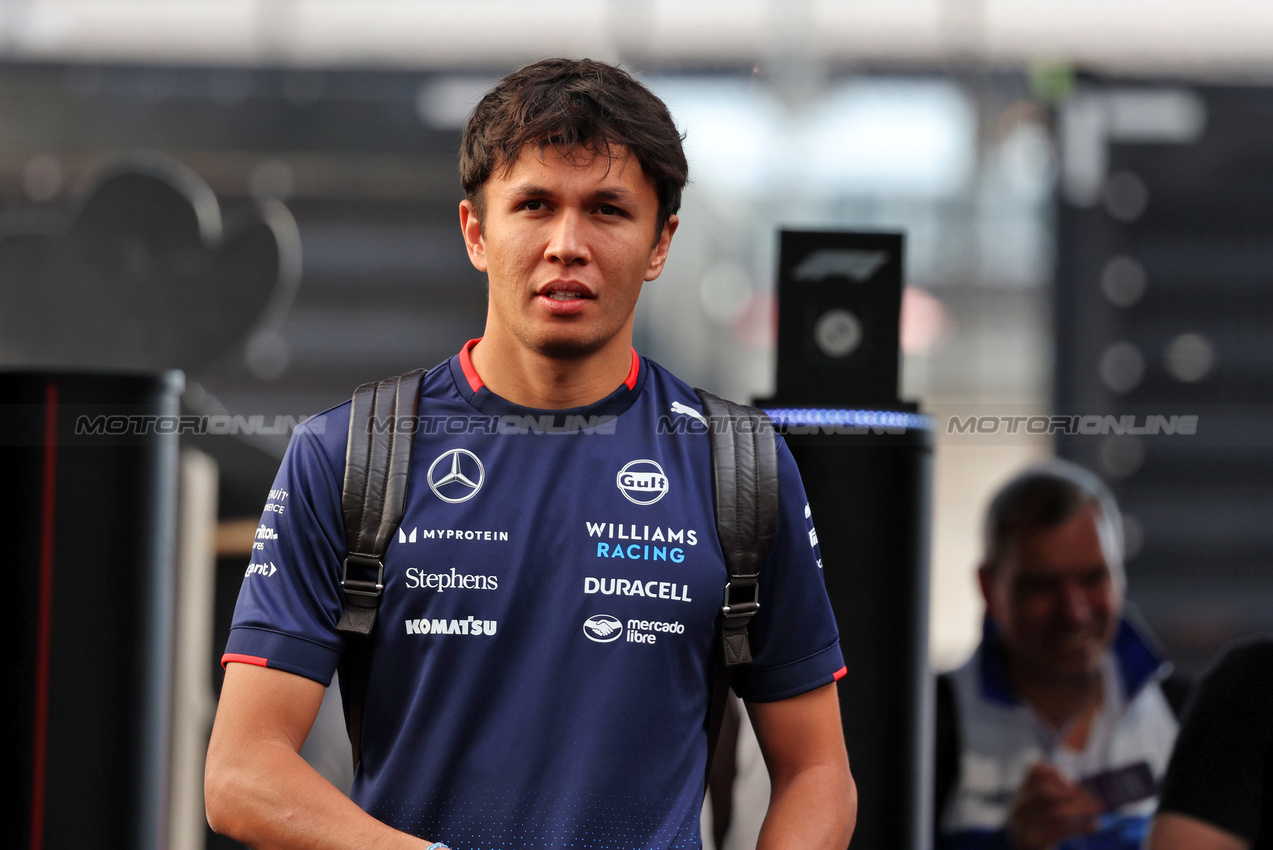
658,256
471,227
986,581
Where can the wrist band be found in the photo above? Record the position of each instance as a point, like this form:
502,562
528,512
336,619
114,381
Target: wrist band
437,845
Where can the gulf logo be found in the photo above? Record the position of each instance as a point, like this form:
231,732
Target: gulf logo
642,482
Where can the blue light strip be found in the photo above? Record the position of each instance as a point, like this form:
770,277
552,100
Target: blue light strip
813,417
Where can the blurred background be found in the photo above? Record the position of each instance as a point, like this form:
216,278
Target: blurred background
1085,189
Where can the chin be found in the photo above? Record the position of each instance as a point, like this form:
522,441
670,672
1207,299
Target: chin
1078,669
566,349
567,343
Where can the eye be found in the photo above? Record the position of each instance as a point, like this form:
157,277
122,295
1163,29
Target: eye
1095,578
609,209
533,206
1031,586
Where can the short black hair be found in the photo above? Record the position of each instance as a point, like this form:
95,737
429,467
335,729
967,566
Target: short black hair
578,105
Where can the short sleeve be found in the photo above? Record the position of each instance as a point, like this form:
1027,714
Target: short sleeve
794,640
290,600
1220,763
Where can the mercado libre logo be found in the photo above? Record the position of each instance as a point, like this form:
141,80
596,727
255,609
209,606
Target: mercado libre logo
642,482
603,628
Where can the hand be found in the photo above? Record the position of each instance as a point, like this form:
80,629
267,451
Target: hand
1049,807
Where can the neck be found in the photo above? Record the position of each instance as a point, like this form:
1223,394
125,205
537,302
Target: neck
534,379
1060,701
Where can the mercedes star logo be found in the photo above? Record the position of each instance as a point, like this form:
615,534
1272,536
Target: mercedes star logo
447,478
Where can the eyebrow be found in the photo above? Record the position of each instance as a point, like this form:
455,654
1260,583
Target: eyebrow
615,194
530,190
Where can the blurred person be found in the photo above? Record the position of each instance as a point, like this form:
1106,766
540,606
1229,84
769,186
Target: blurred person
550,687
1055,732
1218,794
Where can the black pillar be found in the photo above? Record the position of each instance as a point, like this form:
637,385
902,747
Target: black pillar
866,459
87,510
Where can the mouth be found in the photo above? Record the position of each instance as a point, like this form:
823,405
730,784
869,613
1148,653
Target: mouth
1074,641
565,300
564,290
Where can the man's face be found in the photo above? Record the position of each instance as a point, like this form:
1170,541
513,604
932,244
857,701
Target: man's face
566,238
1055,600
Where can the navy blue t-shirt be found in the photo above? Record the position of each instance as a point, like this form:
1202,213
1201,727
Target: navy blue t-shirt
541,662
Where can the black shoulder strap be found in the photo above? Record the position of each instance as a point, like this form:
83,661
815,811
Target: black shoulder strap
745,488
377,461
745,470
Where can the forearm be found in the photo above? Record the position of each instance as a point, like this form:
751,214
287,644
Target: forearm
814,808
1174,831
812,797
257,788
266,796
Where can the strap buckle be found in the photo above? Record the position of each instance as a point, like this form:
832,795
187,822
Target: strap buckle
360,587
743,608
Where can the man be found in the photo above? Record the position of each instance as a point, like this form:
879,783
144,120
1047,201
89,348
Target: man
541,664
1218,792
1057,726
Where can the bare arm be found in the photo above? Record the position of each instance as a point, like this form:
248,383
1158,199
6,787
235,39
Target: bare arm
257,788
813,801
1171,831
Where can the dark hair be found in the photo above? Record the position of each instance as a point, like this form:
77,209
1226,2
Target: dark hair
1045,496
574,104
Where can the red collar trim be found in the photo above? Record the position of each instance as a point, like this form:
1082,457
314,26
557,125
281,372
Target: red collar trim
475,380
466,365
630,381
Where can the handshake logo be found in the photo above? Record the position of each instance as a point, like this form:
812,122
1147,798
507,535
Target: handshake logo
603,628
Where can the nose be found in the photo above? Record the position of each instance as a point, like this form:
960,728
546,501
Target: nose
1074,604
567,240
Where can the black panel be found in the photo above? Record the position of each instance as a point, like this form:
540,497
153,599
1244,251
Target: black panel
1195,258
839,300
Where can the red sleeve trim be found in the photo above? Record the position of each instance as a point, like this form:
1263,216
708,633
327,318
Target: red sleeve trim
840,674
466,365
242,659
631,380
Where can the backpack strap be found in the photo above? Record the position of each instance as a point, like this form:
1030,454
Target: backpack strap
372,500
745,488
745,473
